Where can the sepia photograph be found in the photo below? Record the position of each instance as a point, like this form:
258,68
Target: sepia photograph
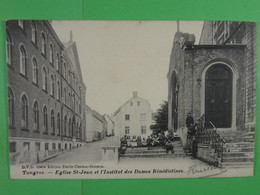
131,99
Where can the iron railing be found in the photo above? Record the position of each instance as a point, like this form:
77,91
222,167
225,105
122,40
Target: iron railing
209,136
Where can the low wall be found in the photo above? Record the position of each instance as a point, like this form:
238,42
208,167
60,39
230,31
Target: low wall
207,154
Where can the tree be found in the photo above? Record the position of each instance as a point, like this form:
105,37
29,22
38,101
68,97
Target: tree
161,119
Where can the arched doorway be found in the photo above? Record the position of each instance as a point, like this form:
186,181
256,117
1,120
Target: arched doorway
218,95
175,89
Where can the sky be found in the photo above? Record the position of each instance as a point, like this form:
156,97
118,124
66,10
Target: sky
119,57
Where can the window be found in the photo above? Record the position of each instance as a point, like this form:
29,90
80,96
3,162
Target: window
43,41
69,127
44,79
58,90
21,23
10,107
127,117
36,115
64,95
138,103
65,126
23,65
59,146
24,111
52,85
57,62
46,146
51,54
58,123
131,103
45,119
127,130
35,71
33,32
37,146
53,146
26,146
143,117
8,49
64,70
12,147
143,129
52,122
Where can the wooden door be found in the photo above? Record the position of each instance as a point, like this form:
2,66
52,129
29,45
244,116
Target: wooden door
218,96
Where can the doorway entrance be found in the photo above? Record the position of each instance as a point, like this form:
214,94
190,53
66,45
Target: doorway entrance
218,96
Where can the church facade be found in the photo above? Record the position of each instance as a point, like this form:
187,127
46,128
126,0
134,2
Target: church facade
215,79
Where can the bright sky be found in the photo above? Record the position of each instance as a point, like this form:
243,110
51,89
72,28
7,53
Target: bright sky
119,57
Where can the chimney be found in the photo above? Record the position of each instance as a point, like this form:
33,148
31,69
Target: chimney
71,36
178,26
135,94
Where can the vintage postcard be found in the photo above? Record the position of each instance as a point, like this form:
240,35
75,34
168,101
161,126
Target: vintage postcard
131,99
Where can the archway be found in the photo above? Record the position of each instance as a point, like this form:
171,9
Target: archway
219,95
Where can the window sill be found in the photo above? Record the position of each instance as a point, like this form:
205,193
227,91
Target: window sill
45,91
44,55
46,133
24,76
34,44
52,133
35,84
25,129
36,131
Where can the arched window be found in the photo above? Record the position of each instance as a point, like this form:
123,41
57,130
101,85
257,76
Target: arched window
24,103
65,126
58,123
51,54
69,127
57,62
52,122
35,71
10,107
36,116
52,85
34,33
23,65
64,95
64,70
8,49
43,41
58,90
44,79
45,119
80,131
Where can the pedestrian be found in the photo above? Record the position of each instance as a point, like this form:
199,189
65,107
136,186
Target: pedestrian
194,147
169,146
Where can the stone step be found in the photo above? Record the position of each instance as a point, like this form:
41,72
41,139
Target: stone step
153,155
238,159
239,149
240,144
238,154
238,164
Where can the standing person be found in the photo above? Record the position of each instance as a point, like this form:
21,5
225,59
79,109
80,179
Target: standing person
189,125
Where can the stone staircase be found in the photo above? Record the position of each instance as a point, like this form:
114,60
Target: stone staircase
154,152
238,150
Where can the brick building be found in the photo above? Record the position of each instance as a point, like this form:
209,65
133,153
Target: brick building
46,92
216,78
216,82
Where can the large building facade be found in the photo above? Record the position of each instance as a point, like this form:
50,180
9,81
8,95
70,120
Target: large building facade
46,93
215,79
133,118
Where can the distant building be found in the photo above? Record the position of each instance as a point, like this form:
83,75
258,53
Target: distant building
110,125
133,118
96,125
46,93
